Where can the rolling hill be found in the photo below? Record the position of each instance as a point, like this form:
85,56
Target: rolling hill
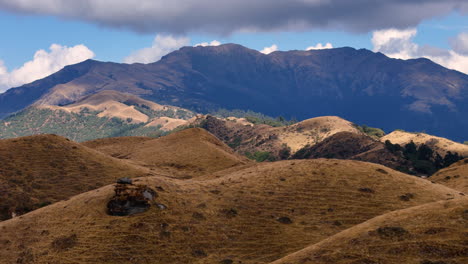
278,142
39,170
426,234
354,146
256,214
358,85
438,144
455,176
185,154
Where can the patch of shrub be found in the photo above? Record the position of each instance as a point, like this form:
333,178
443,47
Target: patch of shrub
371,131
260,156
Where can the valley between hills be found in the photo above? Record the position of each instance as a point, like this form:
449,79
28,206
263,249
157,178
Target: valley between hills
116,163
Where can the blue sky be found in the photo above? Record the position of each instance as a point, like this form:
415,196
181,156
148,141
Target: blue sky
25,34
109,34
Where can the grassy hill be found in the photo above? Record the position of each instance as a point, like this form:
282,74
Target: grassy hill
439,144
426,234
455,176
257,214
39,170
188,153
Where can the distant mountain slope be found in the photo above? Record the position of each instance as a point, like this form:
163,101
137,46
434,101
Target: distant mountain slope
104,114
427,234
39,170
252,215
358,85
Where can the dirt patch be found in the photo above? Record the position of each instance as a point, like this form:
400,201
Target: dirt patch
406,197
65,242
229,213
366,190
392,232
382,171
199,253
285,220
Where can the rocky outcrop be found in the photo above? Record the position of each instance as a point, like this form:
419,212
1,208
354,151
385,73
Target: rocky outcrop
130,199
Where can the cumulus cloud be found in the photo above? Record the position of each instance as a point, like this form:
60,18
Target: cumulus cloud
320,46
460,43
43,64
395,43
227,16
207,44
268,50
161,46
399,44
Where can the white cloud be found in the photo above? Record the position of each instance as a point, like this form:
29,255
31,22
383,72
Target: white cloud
320,46
161,46
460,43
399,44
43,64
395,43
207,44
268,50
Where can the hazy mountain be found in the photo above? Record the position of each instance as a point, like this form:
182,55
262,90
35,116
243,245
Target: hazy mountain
358,85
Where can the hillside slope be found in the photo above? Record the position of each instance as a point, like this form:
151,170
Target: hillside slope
39,170
455,176
406,94
427,234
439,144
188,153
246,137
347,145
253,215
104,114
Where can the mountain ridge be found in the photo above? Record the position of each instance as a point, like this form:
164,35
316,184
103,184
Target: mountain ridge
358,85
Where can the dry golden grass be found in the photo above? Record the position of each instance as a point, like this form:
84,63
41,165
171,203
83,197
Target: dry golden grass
167,123
455,176
257,214
313,131
43,169
116,104
185,154
439,144
434,233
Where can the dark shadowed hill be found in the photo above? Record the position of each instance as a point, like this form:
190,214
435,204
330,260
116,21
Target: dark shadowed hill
347,145
358,85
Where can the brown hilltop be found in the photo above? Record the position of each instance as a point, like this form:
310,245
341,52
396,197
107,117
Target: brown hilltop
246,137
455,176
426,234
439,144
253,215
39,170
184,154
347,145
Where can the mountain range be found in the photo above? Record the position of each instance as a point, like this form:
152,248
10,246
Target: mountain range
358,85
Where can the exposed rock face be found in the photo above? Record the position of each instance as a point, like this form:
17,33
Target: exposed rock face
130,199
